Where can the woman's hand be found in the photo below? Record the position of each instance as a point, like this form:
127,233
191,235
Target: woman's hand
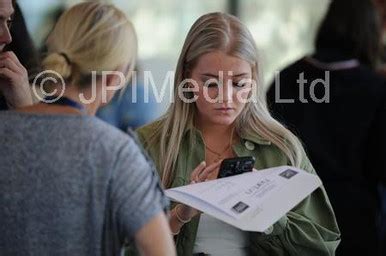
181,213
202,172
199,174
14,83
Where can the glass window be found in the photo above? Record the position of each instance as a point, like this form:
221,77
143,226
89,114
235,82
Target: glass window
283,30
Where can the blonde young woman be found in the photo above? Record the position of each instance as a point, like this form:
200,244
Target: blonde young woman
220,59
71,184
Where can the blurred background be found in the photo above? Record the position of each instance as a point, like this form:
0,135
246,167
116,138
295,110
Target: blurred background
283,30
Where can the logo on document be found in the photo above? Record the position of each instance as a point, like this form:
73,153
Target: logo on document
288,174
240,207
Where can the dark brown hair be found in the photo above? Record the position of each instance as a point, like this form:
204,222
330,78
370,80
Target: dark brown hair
353,27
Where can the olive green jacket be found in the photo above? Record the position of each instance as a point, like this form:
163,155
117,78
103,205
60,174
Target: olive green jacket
310,229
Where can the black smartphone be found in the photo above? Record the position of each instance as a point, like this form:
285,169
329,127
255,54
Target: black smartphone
235,166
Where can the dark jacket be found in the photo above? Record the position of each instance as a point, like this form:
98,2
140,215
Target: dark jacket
344,138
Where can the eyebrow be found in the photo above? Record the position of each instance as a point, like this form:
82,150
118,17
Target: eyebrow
210,75
216,76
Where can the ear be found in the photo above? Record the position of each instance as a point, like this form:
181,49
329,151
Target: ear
114,81
116,77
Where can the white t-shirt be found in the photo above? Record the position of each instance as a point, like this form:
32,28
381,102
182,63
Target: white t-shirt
215,237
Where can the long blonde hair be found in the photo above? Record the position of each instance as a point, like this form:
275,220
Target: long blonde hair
218,32
90,36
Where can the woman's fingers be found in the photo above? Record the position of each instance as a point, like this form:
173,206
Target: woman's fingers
187,211
15,88
7,73
208,170
5,63
14,83
11,57
197,170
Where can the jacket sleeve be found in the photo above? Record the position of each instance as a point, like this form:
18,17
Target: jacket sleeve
142,136
308,229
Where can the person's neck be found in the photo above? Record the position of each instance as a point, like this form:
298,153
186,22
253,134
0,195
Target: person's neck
214,133
90,108
70,93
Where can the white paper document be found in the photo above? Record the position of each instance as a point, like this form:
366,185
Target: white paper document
251,201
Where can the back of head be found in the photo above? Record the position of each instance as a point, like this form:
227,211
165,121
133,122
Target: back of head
90,36
352,27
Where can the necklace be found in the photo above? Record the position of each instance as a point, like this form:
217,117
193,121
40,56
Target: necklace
220,154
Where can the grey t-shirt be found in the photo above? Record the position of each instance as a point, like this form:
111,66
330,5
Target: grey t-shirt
71,185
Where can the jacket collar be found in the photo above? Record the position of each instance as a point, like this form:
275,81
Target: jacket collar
256,139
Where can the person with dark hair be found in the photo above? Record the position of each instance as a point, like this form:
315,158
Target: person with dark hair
14,85
22,44
336,103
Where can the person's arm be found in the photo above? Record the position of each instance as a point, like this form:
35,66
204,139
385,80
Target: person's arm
138,202
14,85
180,214
154,238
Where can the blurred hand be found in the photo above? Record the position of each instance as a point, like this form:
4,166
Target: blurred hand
14,83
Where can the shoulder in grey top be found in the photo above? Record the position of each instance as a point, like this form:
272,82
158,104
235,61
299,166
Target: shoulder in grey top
71,185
